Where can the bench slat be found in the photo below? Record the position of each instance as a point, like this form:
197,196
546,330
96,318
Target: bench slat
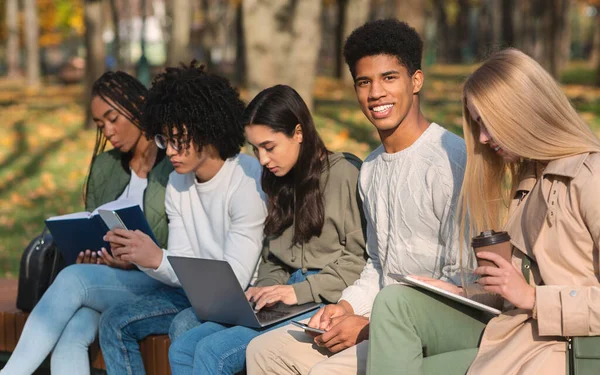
10,336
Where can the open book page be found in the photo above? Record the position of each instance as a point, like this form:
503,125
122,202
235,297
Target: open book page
455,297
110,206
73,216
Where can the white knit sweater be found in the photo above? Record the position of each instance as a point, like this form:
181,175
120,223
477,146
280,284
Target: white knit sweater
410,203
219,219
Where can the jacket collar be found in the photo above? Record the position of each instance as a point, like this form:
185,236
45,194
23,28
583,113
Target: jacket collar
567,167
528,177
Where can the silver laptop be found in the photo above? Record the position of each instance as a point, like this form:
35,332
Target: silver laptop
216,295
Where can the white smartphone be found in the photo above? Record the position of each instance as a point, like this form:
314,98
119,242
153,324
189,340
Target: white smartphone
307,328
111,219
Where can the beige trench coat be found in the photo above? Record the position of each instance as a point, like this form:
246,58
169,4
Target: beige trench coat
557,225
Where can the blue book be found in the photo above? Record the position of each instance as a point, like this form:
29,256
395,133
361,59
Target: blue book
77,232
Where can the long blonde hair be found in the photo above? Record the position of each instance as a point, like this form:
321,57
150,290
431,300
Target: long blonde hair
527,114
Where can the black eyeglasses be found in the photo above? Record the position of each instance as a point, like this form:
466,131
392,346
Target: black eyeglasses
162,142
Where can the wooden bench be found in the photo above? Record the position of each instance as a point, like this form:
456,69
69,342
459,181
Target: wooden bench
155,349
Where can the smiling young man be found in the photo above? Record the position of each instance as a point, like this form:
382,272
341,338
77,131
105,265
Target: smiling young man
213,201
409,187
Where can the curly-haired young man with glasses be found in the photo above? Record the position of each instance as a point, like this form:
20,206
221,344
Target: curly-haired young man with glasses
213,200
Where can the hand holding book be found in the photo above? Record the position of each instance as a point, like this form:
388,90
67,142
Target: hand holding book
77,232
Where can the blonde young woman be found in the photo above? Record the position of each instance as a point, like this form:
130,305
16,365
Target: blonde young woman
533,168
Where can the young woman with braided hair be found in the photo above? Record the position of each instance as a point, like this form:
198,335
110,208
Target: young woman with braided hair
65,320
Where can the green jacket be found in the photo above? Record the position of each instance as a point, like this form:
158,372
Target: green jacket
338,253
108,180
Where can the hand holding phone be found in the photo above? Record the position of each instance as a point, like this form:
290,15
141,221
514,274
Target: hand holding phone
306,327
111,219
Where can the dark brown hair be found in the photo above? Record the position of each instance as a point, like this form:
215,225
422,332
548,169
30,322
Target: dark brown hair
296,198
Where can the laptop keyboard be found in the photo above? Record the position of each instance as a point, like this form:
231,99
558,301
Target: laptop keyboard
278,311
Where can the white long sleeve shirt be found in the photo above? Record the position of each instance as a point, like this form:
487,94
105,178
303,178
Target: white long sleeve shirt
219,219
410,203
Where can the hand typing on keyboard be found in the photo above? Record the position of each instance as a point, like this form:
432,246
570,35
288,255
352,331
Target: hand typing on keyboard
270,295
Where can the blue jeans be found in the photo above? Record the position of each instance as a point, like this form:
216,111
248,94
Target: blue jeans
66,317
122,326
213,348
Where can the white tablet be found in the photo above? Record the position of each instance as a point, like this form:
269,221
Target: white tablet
455,297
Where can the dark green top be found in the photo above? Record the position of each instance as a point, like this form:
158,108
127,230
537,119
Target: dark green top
108,179
339,252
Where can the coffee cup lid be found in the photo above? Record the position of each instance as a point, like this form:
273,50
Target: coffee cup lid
489,237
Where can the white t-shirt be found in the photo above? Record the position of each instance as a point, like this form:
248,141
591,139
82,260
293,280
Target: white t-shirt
134,191
219,219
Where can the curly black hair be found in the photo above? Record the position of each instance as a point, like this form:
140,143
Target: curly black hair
384,37
203,108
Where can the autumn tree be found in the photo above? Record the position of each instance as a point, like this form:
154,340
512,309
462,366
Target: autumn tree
95,51
452,29
32,45
282,39
413,13
12,37
181,21
351,14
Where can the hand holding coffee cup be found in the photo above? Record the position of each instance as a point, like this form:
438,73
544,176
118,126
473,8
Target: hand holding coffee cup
493,242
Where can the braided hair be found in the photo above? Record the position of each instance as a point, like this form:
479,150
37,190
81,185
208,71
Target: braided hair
203,108
126,95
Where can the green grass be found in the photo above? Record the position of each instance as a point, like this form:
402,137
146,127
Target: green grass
44,150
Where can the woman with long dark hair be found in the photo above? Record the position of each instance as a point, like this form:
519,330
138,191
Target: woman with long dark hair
314,234
65,320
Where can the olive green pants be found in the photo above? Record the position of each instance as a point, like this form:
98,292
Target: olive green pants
416,332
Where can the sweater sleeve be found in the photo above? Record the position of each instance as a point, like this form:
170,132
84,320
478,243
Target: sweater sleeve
271,271
445,194
244,239
339,274
361,294
178,242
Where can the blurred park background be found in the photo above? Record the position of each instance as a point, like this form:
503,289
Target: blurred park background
52,50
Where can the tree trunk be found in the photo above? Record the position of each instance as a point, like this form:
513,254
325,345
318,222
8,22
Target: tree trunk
342,10
95,52
352,14
12,38
114,14
32,43
452,37
551,51
240,47
527,29
508,32
181,21
413,13
595,53
443,31
282,44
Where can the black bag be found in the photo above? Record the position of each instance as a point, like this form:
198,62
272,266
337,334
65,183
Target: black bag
40,263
